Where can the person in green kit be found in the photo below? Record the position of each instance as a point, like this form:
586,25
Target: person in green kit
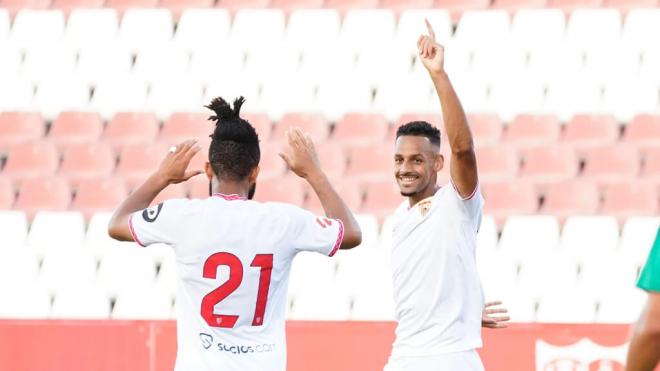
644,351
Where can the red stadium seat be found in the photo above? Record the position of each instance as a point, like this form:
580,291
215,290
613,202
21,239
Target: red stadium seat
643,131
313,124
625,5
569,5
178,6
497,163
130,128
533,130
66,6
611,163
271,164
19,127
261,123
7,194
504,199
97,195
289,189
349,191
183,126
137,162
173,191
121,6
587,131
232,6
550,164
31,160
289,6
651,168
514,5
381,198
630,198
486,128
43,194
75,127
87,161
576,197
15,5
398,6
343,6
371,162
333,159
361,128
457,7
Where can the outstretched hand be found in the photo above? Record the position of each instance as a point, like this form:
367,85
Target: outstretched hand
431,53
489,320
174,166
300,154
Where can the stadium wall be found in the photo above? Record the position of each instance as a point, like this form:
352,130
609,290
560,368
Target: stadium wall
78,345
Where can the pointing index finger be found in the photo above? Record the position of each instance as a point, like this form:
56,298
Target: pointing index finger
430,29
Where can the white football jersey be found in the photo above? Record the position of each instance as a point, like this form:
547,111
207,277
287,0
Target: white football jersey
437,290
233,258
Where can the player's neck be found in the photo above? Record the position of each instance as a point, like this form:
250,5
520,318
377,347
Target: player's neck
231,188
428,192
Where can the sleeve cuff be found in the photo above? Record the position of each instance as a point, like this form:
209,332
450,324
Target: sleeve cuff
340,238
135,237
458,193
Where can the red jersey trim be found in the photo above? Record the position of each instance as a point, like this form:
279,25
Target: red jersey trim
233,197
135,237
340,238
470,196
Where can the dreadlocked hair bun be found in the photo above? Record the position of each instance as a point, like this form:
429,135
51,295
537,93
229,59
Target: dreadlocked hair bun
229,126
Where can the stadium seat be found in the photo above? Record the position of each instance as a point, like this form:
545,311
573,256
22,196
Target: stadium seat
534,29
371,162
513,6
572,197
532,130
288,190
602,274
171,192
119,95
145,28
233,6
4,24
11,61
506,198
143,303
457,7
349,191
643,131
488,234
622,306
588,29
397,97
527,236
14,228
569,96
126,269
289,6
411,24
496,162
97,239
75,127
31,160
261,124
130,128
167,276
18,127
611,163
136,162
328,303
178,7
7,194
123,6
533,279
486,128
67,6
432,118
651,168
499,66
158,65
553,308
37,28
61,270
87,161
586,131
88,28
271,25
199,28
472,93
97,64
204,68
49,63
381,197
598,66
333,159
358,128
373,64
568,6
16,94
637,237
628,198
311,29
639,27
345,6
83,301
271,165
184,126
31,303
56,231
97,195
19,269
623,105
549,164
310,270
356,37
481,29
625,6
167,97
373,306
313,124
587,236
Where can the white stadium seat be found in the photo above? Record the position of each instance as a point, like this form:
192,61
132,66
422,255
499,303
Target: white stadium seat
488,236
375,63
593,29
10,61
257,29
146,28
13,228
115,96
19,269
619,101
498,274
83,301
637,237
213,64
126,269
16,94
56,231
567,98
648,68
534,29
167,276
547,274
510,99
61,270
522,309
91,28
500,66
334,100
411,25
270,68
567,307
298,97
200,29
621,306
49,62
37,28
103,64
377,305
367,29
583,237
30,303
602,274
640,29
310,270
482,29
395,97
166,97
143,303
528,236
312,29
154,65
554,65
4,24
322,302
231,88
59,95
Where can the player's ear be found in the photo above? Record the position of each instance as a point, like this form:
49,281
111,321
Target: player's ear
208,170
254,174
439,162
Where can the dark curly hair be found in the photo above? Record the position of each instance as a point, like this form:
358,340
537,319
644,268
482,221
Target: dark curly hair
420,129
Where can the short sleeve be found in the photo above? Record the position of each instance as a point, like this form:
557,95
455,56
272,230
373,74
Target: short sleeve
649,279
317,233
472,205
162,223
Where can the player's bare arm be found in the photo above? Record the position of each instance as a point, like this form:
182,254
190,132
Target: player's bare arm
494,316
302,159
172,170
644,351
463,164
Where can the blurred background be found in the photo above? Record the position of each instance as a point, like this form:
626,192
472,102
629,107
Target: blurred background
563,98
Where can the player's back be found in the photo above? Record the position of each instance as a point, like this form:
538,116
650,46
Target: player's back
233,262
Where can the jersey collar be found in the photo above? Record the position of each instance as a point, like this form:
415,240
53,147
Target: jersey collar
231,197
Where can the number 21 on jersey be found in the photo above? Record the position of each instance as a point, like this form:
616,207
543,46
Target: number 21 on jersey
262,261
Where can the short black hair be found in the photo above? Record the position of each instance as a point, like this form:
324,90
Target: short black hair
420,129
234,150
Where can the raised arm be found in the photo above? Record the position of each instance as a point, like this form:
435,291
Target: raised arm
644,351
302,159
171,171
463,163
